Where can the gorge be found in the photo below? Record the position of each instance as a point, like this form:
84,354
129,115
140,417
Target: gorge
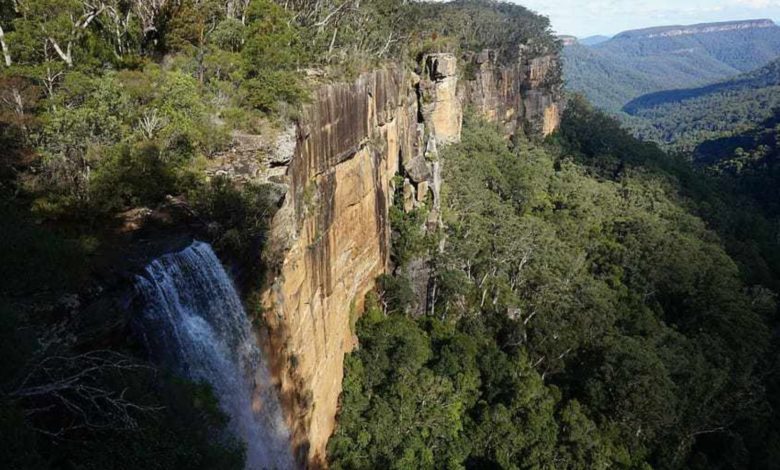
332,234
351,234
333,229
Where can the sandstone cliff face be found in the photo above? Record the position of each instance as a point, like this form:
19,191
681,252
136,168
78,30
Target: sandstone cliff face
525,95
331,237
441,107
334,234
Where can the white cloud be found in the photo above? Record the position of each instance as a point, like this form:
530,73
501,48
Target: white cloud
757,3
584,18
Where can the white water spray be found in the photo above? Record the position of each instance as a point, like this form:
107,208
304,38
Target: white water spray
193,322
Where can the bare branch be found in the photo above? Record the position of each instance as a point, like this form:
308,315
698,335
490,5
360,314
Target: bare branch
78,386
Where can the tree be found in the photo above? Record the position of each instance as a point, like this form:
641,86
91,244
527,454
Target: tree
270,54
61,23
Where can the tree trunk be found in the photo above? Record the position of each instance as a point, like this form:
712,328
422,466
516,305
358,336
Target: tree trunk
66,57
6,54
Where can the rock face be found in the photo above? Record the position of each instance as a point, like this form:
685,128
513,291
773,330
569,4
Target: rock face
523,96
441,107
333,234
330,240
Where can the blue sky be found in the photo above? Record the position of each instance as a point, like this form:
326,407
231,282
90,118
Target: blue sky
588,17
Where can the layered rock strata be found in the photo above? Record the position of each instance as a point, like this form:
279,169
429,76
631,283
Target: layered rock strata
330,240
525,95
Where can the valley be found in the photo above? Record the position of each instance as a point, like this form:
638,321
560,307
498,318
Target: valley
635,63
359,234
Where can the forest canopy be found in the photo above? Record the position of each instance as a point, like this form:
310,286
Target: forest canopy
585,316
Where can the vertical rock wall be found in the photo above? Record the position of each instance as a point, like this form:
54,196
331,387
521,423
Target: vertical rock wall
331,238
523,96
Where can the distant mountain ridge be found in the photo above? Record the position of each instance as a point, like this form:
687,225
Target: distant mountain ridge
702,28
635,63
593,40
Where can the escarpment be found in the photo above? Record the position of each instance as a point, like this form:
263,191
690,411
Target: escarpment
334,236
524,95
331,237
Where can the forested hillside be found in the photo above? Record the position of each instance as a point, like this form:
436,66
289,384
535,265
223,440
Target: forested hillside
748,161
635,63
681,119
112,116
597,304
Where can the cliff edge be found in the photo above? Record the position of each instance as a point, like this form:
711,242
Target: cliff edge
331,237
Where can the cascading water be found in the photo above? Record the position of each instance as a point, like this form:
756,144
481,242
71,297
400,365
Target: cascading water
193,322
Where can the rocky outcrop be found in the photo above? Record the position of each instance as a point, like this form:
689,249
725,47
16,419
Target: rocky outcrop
568,40
439,102
330,239
522,96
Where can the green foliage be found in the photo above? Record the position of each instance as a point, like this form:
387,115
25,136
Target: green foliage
132,175
271,54
585,317
396,291
34,258
48,421
239,221
423,398
474,25
121,140
188,432
409,237
268,91
749,162
185,432
354,36
682,119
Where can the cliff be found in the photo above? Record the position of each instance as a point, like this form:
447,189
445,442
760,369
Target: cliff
330,240
521,96
672,31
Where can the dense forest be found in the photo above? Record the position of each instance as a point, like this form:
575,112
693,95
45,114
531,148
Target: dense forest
748,162
681,119
597,304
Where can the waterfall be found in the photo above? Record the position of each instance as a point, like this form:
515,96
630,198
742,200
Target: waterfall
192,321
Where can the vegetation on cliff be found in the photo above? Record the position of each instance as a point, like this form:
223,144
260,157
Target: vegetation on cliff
110,109
597,304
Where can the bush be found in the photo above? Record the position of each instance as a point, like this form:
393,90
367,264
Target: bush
239,220
271,54
132,175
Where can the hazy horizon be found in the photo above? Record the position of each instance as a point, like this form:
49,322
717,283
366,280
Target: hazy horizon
610,17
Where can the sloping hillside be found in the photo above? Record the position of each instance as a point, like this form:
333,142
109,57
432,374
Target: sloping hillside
638,62
593,40
685,117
